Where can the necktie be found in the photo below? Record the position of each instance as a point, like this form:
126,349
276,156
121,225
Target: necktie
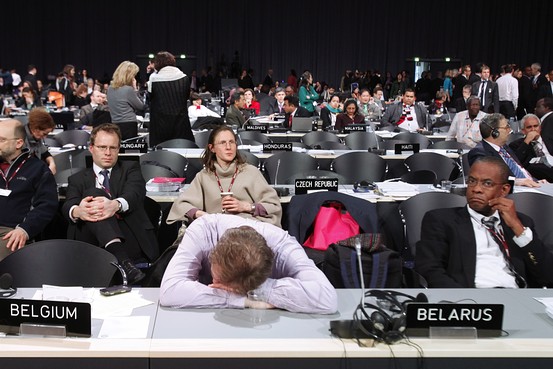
515,168
537,149
482,91
105,183
290,121
490,224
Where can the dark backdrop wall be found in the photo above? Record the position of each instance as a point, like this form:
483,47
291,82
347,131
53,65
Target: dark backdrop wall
324,37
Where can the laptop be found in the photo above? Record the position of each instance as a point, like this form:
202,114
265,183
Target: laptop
300,124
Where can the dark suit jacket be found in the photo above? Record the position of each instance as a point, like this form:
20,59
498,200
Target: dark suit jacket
394,112
326,118
545,90
524,96
460,104
300,112
234,116
446,253
125,181
485,149
547,132
525,153
491,96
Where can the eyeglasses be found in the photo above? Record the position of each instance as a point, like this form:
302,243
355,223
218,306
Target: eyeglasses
508,126
2,139
225,143
103,148
487,183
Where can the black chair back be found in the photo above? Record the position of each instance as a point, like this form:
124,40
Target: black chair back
60,263
314,138
363,140
281,167
167,159
360,166
439,164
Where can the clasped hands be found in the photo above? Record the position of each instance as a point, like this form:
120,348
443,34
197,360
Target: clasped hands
95,209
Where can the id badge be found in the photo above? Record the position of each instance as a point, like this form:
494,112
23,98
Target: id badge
5,192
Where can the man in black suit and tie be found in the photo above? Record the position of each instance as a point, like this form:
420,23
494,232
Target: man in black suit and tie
544,110
487,91
538,80
546,89
495,131
292,109
486,244
276,104
525,93
105,204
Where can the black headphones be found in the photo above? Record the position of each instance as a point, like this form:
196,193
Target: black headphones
364,186
495,131
387,322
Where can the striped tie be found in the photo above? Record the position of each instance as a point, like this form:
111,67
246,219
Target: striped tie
515,168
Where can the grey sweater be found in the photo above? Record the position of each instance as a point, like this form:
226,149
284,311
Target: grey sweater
123,103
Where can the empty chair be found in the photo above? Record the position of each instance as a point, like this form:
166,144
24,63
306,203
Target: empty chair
62,176
51,142
419,177
408,137
167,159
313,138
448,145
202,138
413,209
360,166
301,145
363,140
75,137
250,158
331,145
71,159
60,263
176,143
150,171
537,206
439,164
252,135
280,168
250,142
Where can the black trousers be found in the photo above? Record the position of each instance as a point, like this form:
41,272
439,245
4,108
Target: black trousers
507,109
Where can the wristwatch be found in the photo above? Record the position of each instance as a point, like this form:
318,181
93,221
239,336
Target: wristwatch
252,209
120,207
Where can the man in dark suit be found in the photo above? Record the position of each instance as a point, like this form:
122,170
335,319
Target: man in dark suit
105,204
406,114
546,90
466,77
495,131
544,110
276,105
486,244
31,77
525,93
487,91
97,103
292,108
531,151
538,80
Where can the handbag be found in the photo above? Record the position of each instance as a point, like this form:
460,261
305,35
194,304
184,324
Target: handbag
332,223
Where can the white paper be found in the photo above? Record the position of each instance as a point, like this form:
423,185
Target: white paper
125,327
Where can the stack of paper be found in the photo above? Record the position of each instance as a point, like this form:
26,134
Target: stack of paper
396,189
163,184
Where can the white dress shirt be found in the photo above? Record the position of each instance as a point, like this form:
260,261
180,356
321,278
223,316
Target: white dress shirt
508,88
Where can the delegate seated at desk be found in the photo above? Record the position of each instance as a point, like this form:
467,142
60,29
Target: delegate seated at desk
406,114
486,244
222,257
226,171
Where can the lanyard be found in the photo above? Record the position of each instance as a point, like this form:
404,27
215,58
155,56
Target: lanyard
231,181
15,172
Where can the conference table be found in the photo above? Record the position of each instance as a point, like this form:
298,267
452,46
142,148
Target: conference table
247,338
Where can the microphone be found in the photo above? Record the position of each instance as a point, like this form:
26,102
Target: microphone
122,271
276,171
6,289
360,263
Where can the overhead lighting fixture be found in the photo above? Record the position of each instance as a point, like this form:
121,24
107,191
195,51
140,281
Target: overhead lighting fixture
448,59
151,56
182,56
417,59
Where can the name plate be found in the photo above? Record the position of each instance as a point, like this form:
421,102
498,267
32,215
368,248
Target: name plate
404,148
138,147
256,127
284,146
354,128
486,318
304,186
75,316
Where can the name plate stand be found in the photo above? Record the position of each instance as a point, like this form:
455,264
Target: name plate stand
441,333
42,330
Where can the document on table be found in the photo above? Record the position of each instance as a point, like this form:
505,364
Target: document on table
548,302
